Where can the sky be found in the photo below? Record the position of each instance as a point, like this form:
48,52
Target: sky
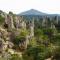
18,6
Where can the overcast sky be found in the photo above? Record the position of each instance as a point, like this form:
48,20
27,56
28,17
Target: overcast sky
17,6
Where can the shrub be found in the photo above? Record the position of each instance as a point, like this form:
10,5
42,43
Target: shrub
1,19
15,57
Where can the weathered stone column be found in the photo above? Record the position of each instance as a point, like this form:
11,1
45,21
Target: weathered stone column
32,28
10,22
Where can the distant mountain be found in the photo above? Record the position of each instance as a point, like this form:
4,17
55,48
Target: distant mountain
32,12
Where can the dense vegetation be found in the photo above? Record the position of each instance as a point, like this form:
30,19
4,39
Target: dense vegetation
45,43
1,19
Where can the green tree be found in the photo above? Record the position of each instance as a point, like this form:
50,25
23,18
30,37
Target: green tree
37,53
1,19
15,57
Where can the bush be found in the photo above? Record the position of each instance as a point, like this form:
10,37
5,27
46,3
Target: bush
15,57
1,19
37,53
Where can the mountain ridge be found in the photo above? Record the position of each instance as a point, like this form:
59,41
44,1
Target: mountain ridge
36,12
32,12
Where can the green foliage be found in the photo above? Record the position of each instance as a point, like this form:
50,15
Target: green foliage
38,32
11,13
41,37
43,45
32,42
56,39
48,32
18,39
21,37
15,57
1,19
23,32
56,54
37,53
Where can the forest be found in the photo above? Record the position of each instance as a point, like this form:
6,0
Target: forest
38,40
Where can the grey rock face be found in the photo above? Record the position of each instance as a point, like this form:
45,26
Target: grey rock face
16,21
32,28
19,23
9,21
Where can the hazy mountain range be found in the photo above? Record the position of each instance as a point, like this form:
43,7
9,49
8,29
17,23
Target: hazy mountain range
36,12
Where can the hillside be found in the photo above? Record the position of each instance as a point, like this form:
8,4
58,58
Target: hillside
32,12
30,36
